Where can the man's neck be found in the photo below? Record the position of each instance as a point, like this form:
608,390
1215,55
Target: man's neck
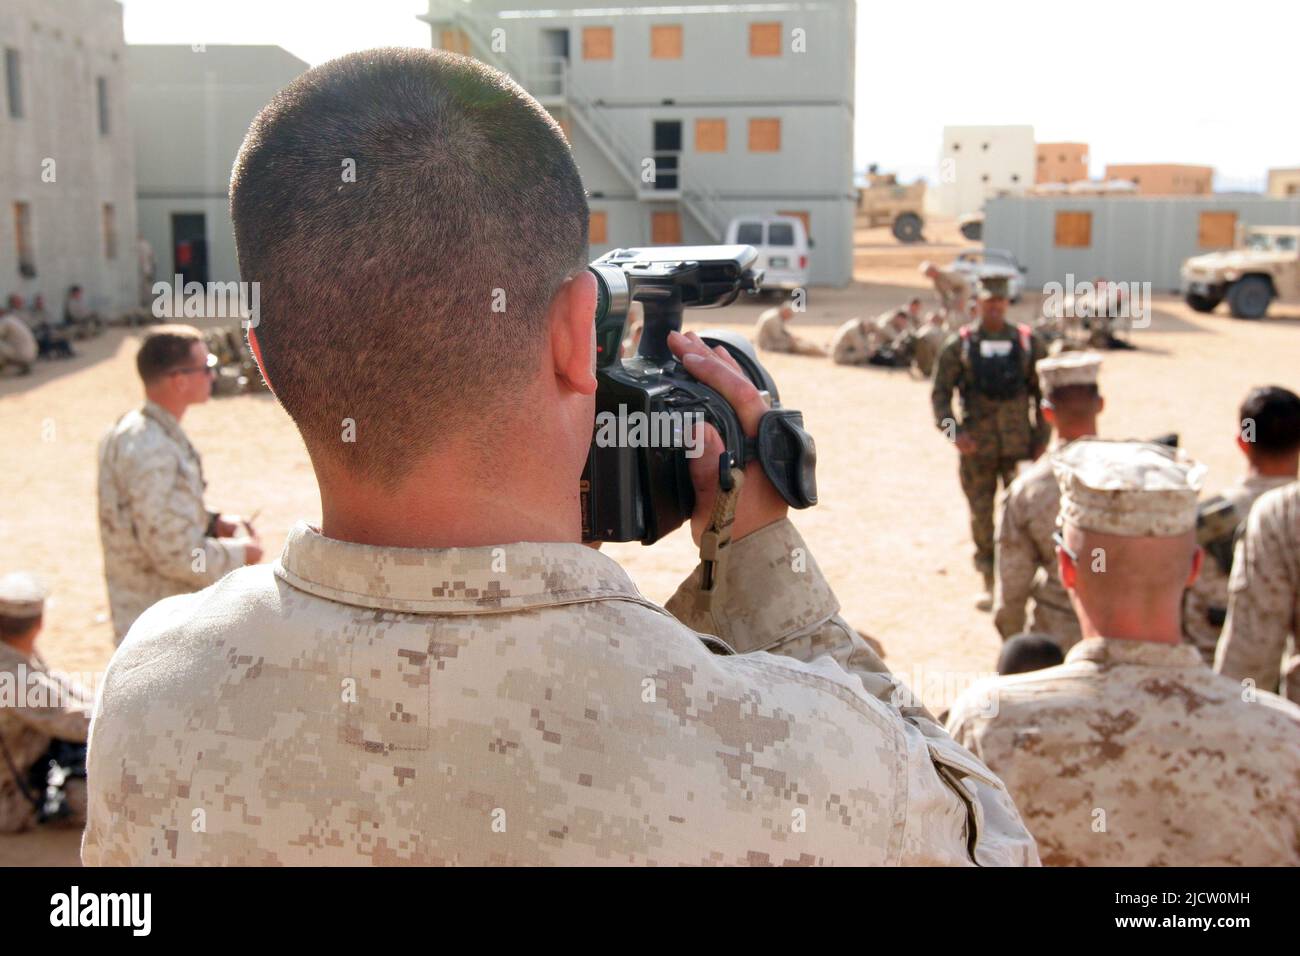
443,505
175,408
25,646
993,326
1281,466
1068,433
1161,625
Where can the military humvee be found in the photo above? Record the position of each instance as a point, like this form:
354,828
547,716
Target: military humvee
884,202
1264,266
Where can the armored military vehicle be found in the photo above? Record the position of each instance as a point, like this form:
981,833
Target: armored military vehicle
1264,266
885,202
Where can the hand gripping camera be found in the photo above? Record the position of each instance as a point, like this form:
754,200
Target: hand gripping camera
636,485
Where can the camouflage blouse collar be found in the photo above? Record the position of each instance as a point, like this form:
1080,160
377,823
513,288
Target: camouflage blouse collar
1109,650
166,419
504,578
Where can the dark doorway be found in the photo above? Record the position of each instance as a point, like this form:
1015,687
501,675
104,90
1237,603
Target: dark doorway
667,153
555,43
555,62
190,246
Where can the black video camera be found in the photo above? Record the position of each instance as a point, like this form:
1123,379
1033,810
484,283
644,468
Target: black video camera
637,485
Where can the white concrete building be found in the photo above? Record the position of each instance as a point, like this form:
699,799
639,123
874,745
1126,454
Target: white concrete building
978,163
67,179
191,107
738,109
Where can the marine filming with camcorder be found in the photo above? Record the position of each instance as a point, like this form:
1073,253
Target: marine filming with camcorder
641,491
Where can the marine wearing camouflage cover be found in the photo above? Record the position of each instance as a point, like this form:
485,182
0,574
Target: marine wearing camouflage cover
37,705
1206,603
1263,626
1137,754
1026,560
1006,431
1026,564
522,704
1133,752
152,520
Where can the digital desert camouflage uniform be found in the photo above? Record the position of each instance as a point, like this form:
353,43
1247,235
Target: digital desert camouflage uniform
953,289
520,705
1026,568
773,334
152,520
1006,430
927,341
1205,605
56,708
1184,770
17,344
1025,556
1134,753
37,706
855,342
1263,626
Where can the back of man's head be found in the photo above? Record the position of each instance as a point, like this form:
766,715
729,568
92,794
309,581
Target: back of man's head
1075,405
165,348
409,215
1028,652
15,629
1270,421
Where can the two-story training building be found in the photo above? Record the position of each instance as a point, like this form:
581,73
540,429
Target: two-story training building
683,115
67,169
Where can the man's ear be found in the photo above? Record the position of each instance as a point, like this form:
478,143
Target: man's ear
1198,559
257,357
572,320
1065,567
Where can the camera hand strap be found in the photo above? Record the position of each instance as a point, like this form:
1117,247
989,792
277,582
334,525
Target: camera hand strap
715,543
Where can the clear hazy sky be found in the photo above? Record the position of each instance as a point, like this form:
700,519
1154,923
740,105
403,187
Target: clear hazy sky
1191,81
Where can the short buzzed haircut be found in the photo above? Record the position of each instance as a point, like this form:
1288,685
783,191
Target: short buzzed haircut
1029,652
409,215
1073,402
165,347
1275,414
12,627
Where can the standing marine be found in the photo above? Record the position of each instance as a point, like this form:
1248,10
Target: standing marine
992,365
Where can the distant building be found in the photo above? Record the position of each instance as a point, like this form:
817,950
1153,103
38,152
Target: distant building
1165,179
1284,183
734,108
191,107
1123,238
67,179
977,163
1061,162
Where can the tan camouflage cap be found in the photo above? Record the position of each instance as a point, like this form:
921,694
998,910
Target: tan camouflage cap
1133,488
995,287
21,595
1068,368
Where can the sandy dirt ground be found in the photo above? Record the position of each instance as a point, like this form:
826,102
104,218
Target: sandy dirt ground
891,530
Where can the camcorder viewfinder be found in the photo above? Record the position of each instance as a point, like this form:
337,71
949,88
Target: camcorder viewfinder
636,485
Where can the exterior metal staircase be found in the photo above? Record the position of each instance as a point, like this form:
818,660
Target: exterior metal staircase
550,80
